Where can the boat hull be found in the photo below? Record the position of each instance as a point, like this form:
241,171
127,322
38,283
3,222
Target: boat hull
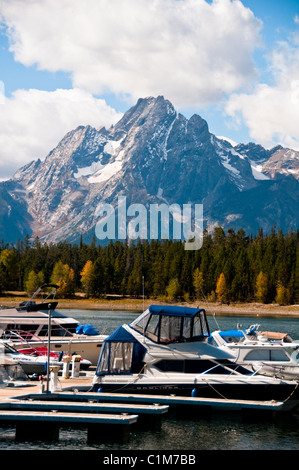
88,348
234,390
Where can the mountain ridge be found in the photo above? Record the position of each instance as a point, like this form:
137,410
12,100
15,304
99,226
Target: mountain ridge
152,155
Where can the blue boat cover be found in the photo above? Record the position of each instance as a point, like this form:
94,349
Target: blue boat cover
232,333
121,335
174,310
124,349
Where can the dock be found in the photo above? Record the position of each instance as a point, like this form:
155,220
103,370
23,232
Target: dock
22,404
108,416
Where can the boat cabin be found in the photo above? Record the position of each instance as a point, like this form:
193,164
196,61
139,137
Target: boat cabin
169,324
122,353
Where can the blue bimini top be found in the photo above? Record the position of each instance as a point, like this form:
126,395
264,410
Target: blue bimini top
174,310
166,324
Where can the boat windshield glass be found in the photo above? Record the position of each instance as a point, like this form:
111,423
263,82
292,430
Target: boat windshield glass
7,349
166,328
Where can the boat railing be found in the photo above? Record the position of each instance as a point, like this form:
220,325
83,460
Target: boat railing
24,337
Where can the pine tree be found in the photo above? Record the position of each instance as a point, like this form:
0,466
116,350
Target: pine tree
241,282
296,277
98,278
9,259
3,278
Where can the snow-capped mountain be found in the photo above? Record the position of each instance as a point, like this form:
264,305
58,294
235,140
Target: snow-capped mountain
152,155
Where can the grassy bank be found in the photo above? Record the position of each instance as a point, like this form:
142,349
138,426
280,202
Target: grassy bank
132,304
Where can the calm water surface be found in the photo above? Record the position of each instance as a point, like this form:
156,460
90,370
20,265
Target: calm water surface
221,432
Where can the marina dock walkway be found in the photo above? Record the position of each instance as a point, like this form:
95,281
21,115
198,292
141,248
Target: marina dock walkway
22,403
105,415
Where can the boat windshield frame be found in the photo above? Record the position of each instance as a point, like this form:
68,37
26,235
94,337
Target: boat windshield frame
172,324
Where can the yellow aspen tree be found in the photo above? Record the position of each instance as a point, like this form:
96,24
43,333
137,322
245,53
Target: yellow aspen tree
221,289
282,294
64,277
173,289
33,282
87,278
261,287
198,283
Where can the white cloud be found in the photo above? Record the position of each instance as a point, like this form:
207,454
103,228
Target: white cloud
271,111
32,122
190,51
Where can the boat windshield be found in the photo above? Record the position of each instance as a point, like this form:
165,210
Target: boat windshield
7,349
170,325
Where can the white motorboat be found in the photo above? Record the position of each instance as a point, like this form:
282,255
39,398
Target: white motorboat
268,353
34,361
10,370
66,334
30,364
166,350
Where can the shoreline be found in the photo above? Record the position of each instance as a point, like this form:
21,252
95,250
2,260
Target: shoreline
132,304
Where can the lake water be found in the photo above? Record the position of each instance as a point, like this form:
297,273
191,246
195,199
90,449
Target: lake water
220,432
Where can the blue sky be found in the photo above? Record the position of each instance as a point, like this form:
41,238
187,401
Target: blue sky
65,63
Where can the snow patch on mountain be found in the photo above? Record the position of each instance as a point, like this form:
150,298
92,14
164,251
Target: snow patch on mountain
108,171
257,171
230,141
226,163
88,170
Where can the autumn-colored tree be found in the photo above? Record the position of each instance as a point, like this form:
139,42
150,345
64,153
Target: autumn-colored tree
198,283
33,282
173,289
261,287
88,278
282,294
119,267
221,289
63,276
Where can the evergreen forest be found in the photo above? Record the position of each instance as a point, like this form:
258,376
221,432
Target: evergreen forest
230,267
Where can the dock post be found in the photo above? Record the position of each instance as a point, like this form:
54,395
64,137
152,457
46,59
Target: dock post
41,385
76,366
66,366
53,378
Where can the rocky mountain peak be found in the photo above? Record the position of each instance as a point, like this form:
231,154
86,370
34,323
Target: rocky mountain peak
255,152
283,162
152,155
